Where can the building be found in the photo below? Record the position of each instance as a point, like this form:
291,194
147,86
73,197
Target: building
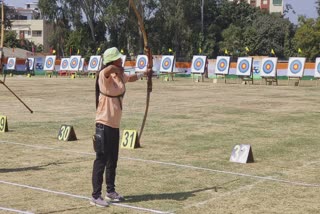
271,6
29,25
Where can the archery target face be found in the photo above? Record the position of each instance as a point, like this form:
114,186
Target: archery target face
74,63
94,63
11,64
141,64
296,66
31,63
222,65
166,63
269,67
198,64
317,68
49,63
244,66
64,65
81,64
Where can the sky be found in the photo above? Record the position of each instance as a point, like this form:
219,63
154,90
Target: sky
301,7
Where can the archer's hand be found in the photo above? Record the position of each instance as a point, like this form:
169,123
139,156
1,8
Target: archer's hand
148,72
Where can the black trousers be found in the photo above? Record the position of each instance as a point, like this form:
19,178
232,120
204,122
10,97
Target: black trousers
106,161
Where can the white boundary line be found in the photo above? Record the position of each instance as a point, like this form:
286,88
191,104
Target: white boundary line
180,165
80,197
16,211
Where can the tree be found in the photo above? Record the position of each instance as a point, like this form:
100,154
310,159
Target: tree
307,37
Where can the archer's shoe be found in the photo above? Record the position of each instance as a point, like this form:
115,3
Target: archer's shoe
114,197
99,202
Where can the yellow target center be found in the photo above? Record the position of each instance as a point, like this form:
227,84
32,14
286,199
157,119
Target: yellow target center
243,66
222,64
295,66
268,67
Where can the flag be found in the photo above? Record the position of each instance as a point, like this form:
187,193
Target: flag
121,51
272,51
78,51
170,50
53,51
299,50
225,51
247,49
200,50
98,51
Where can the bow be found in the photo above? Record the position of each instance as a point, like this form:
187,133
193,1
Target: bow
2,82
150,65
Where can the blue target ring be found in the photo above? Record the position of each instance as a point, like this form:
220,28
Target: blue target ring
49,63
222,64
142,63
268,66
74,62
198,64
94,63
295,66
166,64
11,63
243,66
64,64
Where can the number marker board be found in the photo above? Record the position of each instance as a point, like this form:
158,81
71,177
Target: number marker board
67,133
242,154
130,139
3,123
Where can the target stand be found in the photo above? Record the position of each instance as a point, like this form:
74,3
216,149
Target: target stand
220,76
247,79
198,77
270,80
296,81
51,73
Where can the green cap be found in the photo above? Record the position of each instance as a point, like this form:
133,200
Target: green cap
110,55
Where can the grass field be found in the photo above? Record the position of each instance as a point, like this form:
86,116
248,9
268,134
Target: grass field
183,165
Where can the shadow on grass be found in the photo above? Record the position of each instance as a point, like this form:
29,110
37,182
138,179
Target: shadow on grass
177,196
77,209
35,168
